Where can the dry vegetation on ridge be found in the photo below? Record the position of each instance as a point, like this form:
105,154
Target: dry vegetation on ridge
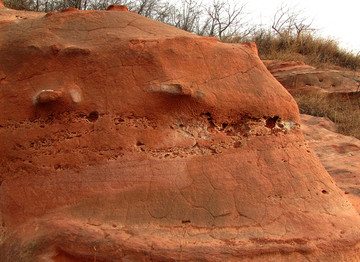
344,111
290,37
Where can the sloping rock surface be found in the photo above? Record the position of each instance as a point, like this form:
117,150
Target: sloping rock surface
296,76
339,154
124,139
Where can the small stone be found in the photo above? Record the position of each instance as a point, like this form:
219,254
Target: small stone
122,8
47,96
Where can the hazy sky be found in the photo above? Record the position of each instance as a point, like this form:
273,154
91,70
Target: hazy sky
339,20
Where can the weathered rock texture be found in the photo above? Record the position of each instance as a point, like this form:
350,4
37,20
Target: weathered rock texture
339,154
296,76
124,139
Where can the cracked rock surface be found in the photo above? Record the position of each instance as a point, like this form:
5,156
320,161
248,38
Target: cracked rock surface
124,139
339,154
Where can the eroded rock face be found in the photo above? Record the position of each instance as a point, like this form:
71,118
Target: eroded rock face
339,154
151,143
296,76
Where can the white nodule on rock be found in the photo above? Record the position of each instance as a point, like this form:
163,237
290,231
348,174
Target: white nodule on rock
75,96
173,89
288,125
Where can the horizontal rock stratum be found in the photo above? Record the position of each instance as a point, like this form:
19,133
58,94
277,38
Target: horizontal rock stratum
298,77
125,139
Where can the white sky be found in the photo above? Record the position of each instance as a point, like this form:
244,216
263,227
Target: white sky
335,19
339,20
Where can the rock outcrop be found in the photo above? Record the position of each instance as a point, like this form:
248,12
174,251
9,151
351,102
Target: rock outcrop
124,139
296,76
339,154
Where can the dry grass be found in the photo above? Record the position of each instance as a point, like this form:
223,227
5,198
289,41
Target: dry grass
312,50
344,111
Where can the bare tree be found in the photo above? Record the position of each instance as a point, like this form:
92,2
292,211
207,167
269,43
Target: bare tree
19,4
225,19
146,8
167,13
288,22
189,17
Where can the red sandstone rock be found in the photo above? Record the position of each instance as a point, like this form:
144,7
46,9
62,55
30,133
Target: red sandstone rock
339,154
164,146
276,66
296,76
117,8
47,96
70,9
